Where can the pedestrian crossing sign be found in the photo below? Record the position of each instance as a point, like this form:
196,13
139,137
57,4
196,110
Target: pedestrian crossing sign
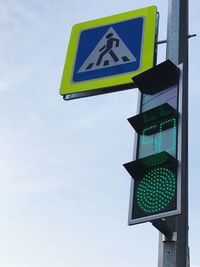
104,54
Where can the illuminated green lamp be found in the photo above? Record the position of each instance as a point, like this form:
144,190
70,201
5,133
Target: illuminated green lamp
156,190
155,183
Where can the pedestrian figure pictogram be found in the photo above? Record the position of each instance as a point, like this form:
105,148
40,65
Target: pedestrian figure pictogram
110,51
108,48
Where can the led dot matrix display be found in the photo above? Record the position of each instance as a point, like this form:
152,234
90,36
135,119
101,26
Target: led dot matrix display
155,142
156,190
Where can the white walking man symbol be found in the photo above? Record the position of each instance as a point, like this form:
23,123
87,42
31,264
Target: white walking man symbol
110,51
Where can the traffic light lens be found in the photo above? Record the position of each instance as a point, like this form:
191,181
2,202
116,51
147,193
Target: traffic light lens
156,190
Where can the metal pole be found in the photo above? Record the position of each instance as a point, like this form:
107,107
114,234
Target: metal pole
173,250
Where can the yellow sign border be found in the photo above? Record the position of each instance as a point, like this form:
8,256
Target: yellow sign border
147,53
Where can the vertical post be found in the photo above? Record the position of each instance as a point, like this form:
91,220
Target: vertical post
174,251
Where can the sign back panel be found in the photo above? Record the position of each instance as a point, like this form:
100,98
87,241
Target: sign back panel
104,54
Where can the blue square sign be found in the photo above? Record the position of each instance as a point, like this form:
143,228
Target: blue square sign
109,50
105,54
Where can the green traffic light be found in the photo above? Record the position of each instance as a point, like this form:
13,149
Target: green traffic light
156,140
156,190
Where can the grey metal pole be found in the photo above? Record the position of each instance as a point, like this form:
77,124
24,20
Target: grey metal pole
174,251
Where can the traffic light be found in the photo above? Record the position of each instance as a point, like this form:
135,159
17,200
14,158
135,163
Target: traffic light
156,184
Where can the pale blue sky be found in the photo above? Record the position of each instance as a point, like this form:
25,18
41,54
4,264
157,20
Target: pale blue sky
64,192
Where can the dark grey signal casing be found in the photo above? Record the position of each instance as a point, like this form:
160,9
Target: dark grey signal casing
156,167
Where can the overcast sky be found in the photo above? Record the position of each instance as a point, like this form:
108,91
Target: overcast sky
64,192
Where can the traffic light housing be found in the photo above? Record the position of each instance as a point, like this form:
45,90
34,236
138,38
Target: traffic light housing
156,183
